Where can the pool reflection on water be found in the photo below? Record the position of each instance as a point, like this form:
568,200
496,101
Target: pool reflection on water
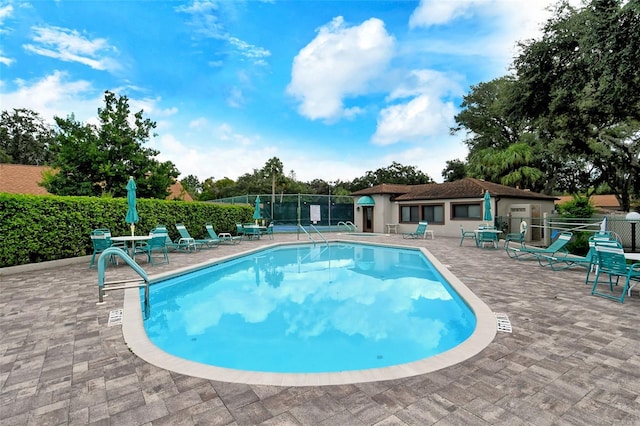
310,308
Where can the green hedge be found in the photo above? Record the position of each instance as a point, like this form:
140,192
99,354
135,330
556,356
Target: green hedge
37,228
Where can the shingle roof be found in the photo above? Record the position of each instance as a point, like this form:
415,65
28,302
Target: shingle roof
463,188
605,201
24,179
21,179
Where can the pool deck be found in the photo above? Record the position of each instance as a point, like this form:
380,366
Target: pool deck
572,359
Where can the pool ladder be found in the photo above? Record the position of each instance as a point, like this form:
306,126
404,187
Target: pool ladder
103,286
348,225
309,235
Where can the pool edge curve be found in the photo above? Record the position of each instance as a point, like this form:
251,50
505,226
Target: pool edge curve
139,343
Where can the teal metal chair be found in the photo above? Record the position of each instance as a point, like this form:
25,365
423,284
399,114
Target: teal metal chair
269,231
158,245
179,244
565,260
517,237
240,230
223,237
611,262
420,232
467,234
101,240
187,239
489,237
526,252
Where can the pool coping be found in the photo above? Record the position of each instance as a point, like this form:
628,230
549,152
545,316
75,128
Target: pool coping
138,342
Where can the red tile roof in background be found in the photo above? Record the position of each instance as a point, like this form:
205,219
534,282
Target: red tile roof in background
21,179
608,201
24,179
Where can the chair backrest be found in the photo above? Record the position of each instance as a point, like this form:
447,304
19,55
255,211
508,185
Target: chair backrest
422,227
270,229
101,239
611,260
211,231
563,240
158,239
182,230
239,228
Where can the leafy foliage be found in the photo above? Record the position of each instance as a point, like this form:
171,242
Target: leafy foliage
579,207
396,173
98,160
455,170
580,86
25,138
41,228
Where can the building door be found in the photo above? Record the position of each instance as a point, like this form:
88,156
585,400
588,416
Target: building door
367,219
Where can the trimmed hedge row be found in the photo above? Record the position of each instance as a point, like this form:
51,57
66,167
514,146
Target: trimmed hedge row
36,228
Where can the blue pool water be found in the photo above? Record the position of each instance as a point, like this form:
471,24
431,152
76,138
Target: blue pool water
306,308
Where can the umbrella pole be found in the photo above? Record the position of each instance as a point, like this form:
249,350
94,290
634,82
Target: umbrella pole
132,229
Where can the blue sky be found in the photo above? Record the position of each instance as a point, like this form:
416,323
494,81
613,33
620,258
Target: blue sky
331,88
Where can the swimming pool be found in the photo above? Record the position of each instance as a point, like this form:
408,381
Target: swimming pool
213,319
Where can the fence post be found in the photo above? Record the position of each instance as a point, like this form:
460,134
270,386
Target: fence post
546,230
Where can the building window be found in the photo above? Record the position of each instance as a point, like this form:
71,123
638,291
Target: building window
409,214
433,213
466,211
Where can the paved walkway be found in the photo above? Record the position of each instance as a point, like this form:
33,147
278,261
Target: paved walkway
572,359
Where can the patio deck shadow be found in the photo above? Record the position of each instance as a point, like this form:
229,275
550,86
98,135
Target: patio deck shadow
572,358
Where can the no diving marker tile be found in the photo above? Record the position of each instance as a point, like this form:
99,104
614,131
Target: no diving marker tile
115,317
503,322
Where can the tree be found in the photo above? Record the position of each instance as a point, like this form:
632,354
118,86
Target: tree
396,173
579,84
455,170
25,138
192,185
98,160
502,147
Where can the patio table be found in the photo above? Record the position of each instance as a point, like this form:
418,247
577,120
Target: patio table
130,242
251,231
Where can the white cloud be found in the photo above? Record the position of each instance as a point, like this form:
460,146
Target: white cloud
207,24
424,114
431,159
437,12
339,63
219,152
70,46
198,122
5,60
54,95
510,21
5,12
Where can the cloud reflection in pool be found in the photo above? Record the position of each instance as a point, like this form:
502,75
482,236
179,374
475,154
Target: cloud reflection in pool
310,309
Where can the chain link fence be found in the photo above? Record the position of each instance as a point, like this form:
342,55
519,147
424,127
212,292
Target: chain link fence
287,211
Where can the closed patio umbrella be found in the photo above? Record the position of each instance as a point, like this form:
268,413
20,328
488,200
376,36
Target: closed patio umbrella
256,213
132,212
487,207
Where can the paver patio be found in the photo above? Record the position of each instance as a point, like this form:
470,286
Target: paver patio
572,359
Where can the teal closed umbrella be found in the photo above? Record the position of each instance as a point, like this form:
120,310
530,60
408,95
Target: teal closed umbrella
132,212
487,207
256,213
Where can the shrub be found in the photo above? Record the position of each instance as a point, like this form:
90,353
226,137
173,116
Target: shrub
36,228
